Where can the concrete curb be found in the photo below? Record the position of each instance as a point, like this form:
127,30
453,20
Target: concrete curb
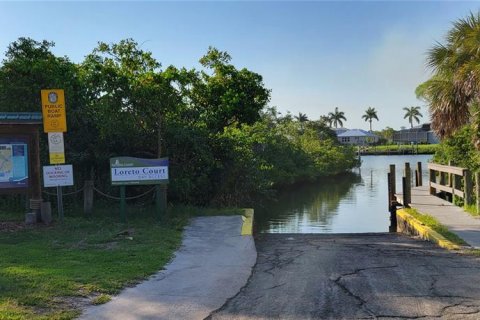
408,224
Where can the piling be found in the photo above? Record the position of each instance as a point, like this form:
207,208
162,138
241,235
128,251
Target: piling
419,174
407,190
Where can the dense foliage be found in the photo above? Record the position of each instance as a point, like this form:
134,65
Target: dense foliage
459,150
224,144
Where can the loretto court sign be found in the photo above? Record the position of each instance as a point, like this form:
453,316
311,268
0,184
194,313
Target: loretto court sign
137,171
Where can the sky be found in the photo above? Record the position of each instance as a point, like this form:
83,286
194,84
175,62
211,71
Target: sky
314,56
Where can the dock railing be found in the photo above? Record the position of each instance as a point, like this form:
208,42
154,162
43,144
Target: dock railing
455,181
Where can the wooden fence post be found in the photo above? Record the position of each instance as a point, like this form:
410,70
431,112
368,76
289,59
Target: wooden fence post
477,190
432,179
88,197
467,187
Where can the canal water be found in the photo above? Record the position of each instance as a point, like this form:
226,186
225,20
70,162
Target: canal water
349,203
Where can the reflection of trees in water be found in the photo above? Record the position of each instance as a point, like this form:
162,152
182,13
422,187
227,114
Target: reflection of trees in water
316,202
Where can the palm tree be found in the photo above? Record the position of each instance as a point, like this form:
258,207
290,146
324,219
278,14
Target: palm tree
326,120
302,117
412,113
453,91
337,117
369,115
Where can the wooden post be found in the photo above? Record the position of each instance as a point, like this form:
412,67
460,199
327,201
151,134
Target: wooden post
393,178
432,179
35,169
408,184
404,191
419,173
467,187
123,214
454,185
389,184
416,178
477,190
88,197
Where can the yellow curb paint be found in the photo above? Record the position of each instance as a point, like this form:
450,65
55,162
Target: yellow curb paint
426,232
247,226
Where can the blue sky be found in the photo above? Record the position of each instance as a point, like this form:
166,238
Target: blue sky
314,56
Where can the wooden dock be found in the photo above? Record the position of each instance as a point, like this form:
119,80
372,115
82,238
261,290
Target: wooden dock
448,214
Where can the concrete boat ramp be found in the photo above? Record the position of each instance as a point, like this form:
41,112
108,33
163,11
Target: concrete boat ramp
216,275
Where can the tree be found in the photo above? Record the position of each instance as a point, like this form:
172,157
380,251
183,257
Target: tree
336,117
453,91
223,95
369,115
302,117
326,120
412,113
127,89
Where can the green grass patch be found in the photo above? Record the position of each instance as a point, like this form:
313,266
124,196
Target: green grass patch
400,148
42,268
433,224
472,210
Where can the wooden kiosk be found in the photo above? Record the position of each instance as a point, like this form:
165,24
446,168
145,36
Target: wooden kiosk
20,158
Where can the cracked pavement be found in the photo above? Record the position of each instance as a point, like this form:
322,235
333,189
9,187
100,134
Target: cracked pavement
356,276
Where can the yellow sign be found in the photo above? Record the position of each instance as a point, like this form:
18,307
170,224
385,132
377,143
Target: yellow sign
53,111
57,158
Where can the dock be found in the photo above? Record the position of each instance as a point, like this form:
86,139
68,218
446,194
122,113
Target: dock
451,216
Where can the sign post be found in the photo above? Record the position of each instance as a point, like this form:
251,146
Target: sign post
123,214
136,171
55,123
58,176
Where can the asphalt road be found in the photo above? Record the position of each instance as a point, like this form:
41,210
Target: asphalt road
361,276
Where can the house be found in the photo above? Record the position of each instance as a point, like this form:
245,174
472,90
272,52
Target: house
418,134
357,137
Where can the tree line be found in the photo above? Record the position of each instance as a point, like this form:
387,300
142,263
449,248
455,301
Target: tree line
223,141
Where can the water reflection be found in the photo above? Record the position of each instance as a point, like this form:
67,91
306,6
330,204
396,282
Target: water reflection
353,202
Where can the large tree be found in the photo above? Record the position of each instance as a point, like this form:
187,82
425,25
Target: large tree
223,95
369,115
453,91
412,113
128,97
336,117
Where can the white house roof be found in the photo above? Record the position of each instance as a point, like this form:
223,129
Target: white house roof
356,133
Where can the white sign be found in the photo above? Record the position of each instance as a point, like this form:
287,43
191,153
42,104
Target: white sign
54,176
137,174
55,142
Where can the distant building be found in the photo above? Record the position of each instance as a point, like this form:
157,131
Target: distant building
357,137
418,134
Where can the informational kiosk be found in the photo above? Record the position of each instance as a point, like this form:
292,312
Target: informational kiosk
20,156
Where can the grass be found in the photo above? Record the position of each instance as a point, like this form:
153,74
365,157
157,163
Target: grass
472,210
433,224
42,268
394,148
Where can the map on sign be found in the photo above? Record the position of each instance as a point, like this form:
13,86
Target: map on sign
6,162
13,165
